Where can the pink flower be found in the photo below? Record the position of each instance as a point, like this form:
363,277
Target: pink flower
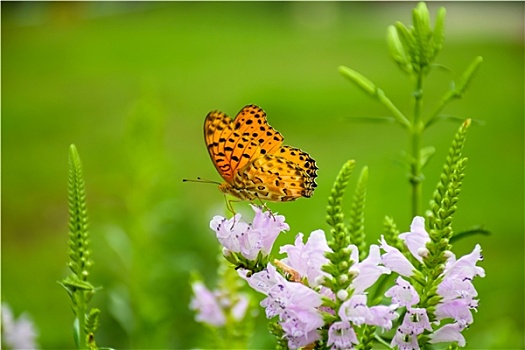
206,304
405,339
415,323
368,270
249,239
417,320
341,336
458,309
417,238
465,267
382,316
452,288
307,259
264,280
457,290
17,333
296,305
395,260
403,293
355,310
449,333
238,310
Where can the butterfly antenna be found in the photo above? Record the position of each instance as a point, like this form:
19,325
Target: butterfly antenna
201,181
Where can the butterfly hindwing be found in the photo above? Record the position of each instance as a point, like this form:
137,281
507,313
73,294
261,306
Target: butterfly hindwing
275,178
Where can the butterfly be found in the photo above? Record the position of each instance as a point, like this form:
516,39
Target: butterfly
249,155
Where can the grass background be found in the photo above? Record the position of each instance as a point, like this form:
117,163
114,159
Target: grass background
130,84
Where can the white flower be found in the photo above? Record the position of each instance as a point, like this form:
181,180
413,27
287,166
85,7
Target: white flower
17,334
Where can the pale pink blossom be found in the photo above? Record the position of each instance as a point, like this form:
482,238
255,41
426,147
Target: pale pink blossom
249,239
417,238
206,305
449,333
403,293
395,260
341,336
307,259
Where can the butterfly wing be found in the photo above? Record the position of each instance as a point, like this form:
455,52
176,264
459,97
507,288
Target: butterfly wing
218,126
302,159
233,144
275,178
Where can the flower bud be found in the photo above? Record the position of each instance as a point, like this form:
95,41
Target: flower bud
342,295
397,51
354,272
423,252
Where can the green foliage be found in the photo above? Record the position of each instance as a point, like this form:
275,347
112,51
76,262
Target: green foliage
335,216
367,338
443,207
415,48
111,78
78,288
443,204
343,234
79,253
356,225
277,331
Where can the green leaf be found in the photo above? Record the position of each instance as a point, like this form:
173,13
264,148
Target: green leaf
477,230
76,332
92,322
72,283
467,76
358,79
426,155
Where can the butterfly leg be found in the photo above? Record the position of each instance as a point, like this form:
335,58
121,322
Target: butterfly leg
229,205
264,206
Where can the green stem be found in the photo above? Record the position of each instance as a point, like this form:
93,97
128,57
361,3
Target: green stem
398,115
416,134
449,96
81,316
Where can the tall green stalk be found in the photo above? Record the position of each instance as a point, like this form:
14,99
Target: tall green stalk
414,48
76,284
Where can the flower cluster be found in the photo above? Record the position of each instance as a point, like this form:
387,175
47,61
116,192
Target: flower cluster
248,244
296,295
456,291
213,307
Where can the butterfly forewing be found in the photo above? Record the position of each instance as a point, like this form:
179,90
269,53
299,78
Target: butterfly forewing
218,126
235,143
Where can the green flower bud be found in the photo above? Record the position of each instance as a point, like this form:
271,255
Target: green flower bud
397,50
358,79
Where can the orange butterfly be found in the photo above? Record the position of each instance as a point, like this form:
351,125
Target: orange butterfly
249,155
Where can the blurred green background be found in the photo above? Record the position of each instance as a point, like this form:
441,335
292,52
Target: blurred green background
130,84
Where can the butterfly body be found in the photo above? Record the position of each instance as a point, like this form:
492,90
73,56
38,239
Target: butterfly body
249,155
